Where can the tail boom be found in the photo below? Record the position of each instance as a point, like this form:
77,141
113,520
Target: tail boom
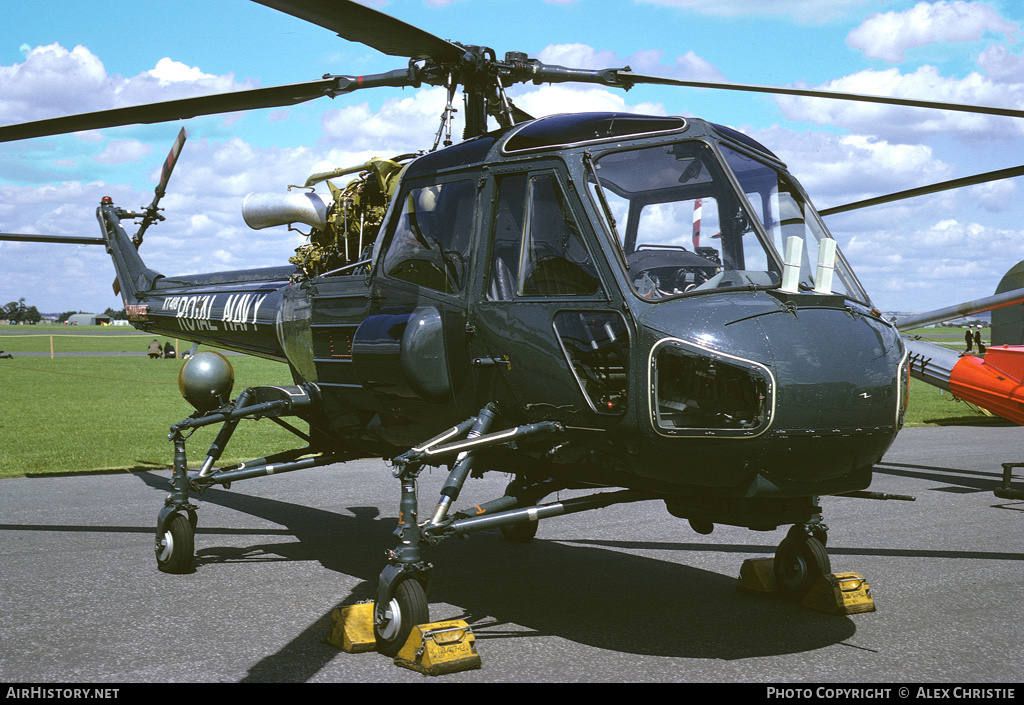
235,310
994,382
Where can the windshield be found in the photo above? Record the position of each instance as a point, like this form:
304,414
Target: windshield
681,226
784,212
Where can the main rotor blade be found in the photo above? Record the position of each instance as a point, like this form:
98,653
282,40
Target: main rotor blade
359,23
628,79
925,190
969,308
58,239
273,97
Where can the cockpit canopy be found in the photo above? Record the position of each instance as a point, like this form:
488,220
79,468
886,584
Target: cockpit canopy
685,228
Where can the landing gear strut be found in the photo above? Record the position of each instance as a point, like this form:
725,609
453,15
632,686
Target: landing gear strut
176,522
401,599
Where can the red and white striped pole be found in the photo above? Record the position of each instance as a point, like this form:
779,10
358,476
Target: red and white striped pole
697,205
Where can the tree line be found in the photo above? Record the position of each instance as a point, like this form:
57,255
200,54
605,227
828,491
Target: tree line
17,312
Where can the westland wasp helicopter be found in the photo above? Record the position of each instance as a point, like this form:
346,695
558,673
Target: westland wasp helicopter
534,300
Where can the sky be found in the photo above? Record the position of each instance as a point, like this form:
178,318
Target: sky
66,57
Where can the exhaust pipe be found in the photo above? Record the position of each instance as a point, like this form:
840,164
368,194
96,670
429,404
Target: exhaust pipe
265,210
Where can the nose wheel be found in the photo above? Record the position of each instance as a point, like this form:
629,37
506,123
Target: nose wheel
393,621
799,561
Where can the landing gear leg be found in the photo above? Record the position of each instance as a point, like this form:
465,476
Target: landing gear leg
176,523
800,560
401,598
401,591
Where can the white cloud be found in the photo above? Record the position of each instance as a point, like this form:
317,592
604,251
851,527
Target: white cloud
553,99
888,35
578,55
49,81
53,81
688,65
995,196
401,125
912,260
801,10
122,151
841,169
558,99
169,71
999,64
916,254
899,123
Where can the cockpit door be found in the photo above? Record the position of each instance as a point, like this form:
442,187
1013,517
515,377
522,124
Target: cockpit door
545,337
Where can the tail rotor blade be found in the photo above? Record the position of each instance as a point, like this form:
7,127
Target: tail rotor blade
172,159
152,213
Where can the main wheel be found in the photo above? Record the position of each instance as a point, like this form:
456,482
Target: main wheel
799,561
818,531
520,533
526,495
177,547
394,621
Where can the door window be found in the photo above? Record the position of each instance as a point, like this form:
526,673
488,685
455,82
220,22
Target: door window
538,247
432,235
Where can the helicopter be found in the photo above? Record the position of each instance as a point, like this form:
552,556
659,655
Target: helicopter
536,300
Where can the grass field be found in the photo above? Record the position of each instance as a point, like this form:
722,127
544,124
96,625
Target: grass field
81,414
77,414
949,337
65,339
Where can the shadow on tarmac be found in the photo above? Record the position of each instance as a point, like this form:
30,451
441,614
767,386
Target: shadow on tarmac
592,592
967,480
588,593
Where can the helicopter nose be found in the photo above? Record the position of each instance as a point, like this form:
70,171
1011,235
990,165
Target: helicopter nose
817,381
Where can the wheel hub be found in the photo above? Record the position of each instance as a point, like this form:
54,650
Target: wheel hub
167,546
795,572
389,620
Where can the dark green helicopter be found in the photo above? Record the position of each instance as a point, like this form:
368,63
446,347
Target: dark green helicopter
643,304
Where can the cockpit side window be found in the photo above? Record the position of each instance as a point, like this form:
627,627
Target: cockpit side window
509,218
538,247
430,243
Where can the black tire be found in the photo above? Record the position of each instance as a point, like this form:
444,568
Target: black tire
799,532
799,562
520,533
177,548
394,622
521,490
